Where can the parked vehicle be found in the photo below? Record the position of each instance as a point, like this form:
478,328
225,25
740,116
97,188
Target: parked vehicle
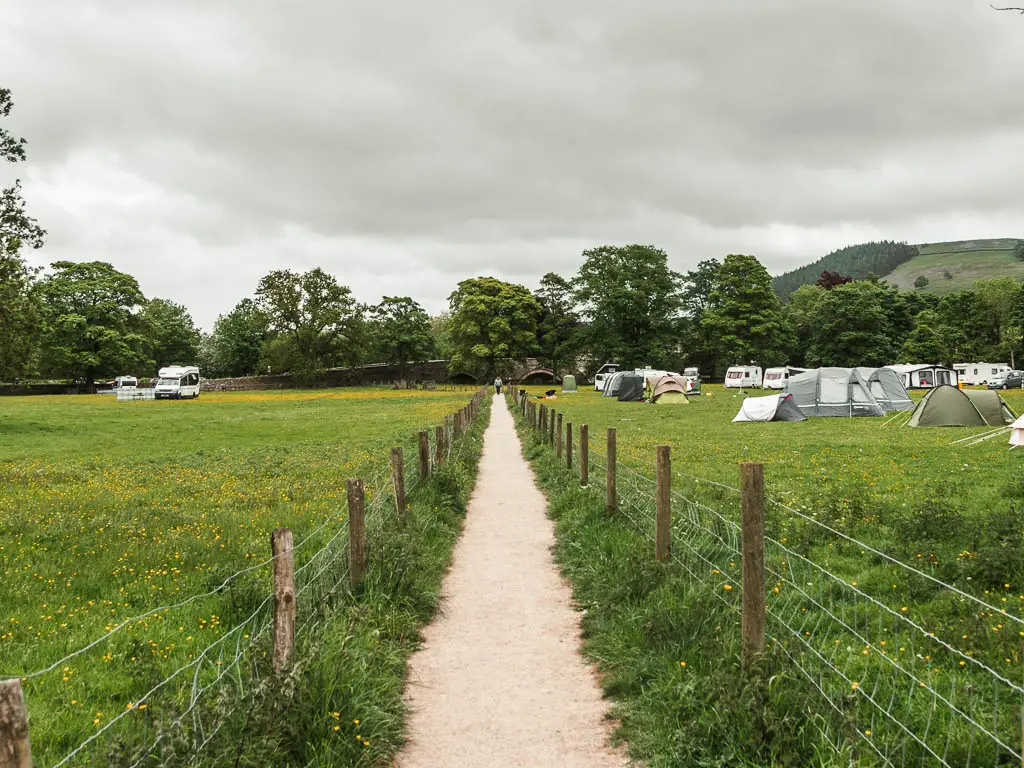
743,377
980,373
176,382
604,373
776,378
1007,380
124,382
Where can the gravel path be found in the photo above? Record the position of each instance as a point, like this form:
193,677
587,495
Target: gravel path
500,681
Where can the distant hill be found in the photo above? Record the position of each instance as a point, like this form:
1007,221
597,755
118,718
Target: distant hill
949,267
955,266
857,261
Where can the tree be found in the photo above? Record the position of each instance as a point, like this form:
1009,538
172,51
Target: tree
558,327
799,312
851,327
173,336
440,334
921,282
92,328
631,302
401,331
1000,298
830,280
925,344
696,290
317,316
20,312
491,321
744,320
236,343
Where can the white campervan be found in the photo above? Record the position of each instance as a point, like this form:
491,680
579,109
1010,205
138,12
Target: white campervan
743,377
604,373
981,373
125,382
775,378
176,382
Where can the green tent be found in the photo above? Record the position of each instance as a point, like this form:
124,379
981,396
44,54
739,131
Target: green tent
948,406
569,383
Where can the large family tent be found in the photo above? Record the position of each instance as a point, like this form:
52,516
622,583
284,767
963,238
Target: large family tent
569,383
770,408
612,383
1017,433
666,390
631,387
833,392
887,388
949,406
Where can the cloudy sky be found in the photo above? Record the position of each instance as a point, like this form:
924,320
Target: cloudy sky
406,145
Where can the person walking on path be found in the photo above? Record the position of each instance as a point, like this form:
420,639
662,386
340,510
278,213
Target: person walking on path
500,681
497,385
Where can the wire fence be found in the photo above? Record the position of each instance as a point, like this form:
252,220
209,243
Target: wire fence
233,660
919,671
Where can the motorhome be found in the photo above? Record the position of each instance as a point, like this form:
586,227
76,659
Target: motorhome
604,373
176,382
980,373
743,377
124,382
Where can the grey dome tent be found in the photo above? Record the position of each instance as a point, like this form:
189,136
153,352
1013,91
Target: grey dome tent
833,392
631,387
611,387
770,408
949,406
887,387
569,383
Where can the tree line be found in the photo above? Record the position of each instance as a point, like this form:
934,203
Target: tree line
88,321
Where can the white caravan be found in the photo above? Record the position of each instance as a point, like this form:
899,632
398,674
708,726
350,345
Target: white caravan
743,377
980,373
176,382
604,373
125,382
776,378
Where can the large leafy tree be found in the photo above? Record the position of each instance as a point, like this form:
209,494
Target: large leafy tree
491,320
401,332
92,324
631,302
559,325
743,320
927,342
173,336
1000,299
236,344
314,315
697,285
20,312
799,313
850,326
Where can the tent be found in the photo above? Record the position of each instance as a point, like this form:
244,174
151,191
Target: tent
569,383
631,387
949,406
666,389
612,384
887,387
770,408
1017,433
833,392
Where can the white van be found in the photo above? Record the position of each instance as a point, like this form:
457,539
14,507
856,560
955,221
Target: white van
125,382
176,382
743,377
604,373
776,378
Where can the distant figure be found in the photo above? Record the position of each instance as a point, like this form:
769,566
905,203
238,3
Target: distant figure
497,385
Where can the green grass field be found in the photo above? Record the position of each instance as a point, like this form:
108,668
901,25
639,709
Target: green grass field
966,261
109,510
895,665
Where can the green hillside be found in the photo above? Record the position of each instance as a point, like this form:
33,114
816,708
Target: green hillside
956,266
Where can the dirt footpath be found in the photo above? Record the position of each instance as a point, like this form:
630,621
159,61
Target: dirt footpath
500,681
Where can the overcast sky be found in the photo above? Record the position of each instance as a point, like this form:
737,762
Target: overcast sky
406,145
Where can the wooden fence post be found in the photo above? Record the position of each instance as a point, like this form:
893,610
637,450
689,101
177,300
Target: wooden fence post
14,746
398,479
284,596
551,427
356,531
568,444
752,501
584,455
438,447
663,523
424,454
449,432
558,437
612,502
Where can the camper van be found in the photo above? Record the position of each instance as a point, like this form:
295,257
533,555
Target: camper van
743,377
604,373
176,382
776,378
124,382
980,373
